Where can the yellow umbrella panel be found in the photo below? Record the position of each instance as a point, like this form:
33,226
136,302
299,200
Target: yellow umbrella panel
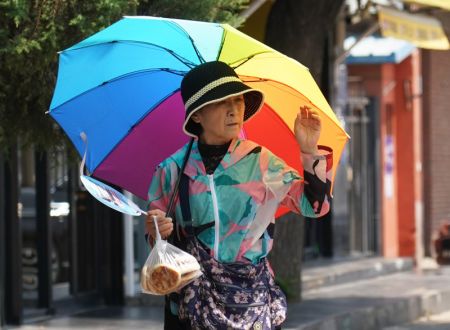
287,85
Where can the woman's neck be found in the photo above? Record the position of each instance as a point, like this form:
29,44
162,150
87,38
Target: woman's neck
212,155
213,141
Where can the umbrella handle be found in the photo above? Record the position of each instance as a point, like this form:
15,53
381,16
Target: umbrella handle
171,206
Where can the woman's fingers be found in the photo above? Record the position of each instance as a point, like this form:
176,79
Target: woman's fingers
156,212
315,119
165,228
151,229
308,118
165,225
166,231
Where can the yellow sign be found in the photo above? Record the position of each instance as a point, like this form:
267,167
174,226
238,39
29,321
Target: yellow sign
444,4
422,31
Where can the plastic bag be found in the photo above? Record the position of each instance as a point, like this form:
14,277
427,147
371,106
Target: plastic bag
168,268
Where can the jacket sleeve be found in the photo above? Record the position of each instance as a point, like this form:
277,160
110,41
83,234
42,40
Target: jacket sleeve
159,192
308,195
161,186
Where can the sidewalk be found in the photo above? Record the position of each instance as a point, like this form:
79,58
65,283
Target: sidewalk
372,303
435,322
109,318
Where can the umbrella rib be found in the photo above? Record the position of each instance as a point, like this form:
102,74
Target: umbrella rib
200,57
257,79
275,85
180,58
186,62
221,43
177,72
241,61
244,60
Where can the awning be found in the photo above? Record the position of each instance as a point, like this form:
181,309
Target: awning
377,50
444,4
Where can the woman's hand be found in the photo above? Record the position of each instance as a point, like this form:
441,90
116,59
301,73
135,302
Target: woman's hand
165,225
307,129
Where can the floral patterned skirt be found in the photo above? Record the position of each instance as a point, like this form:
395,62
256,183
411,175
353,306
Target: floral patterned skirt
231,295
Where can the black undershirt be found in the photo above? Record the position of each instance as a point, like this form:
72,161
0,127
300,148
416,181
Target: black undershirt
212,155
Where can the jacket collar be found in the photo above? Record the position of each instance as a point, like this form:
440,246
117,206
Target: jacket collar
237,150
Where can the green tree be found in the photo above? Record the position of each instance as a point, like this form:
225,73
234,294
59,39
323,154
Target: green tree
31,34
303,30
223,11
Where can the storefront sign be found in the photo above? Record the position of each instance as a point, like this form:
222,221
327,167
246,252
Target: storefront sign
422,31
444,4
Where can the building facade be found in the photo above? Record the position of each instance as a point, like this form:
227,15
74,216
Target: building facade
388,72
436,150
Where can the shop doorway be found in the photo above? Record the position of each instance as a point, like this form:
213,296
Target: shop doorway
363,174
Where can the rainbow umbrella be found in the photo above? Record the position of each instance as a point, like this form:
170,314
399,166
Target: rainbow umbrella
120,87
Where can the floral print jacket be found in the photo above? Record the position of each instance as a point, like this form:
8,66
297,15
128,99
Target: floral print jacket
237,203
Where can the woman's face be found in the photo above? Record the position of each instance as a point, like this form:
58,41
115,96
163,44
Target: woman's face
221,121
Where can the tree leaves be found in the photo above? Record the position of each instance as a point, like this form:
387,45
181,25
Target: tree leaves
221,11
31,34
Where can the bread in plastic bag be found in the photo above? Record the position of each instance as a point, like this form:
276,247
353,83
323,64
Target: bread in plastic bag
168,268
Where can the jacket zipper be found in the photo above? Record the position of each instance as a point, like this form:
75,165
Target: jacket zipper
216,215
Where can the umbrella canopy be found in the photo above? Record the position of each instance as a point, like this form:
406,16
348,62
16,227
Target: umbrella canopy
121,88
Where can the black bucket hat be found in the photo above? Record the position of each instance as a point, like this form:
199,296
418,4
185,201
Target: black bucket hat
212,82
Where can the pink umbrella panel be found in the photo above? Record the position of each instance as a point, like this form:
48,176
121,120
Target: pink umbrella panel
153,140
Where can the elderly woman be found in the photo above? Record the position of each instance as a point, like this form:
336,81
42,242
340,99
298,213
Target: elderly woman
230,190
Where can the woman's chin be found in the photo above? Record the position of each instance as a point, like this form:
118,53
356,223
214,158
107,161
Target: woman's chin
234,128
233,133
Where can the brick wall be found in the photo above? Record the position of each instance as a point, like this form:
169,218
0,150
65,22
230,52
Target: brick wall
436,114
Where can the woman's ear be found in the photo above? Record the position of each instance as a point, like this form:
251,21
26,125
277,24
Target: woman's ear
196,117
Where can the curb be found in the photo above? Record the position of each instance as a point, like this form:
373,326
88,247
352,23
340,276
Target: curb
399,311
318,277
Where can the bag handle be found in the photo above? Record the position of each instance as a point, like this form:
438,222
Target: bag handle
158,235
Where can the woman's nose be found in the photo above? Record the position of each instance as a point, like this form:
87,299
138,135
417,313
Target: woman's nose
232,109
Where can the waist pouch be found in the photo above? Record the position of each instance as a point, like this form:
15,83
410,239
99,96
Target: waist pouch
231,295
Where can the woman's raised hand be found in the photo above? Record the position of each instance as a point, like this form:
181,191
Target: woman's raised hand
307,129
